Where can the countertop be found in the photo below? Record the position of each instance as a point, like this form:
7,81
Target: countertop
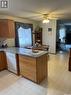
23,51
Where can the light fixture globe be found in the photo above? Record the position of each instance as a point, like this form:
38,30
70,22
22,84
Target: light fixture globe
45,21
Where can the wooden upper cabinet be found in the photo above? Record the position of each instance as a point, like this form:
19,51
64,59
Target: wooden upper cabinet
7,28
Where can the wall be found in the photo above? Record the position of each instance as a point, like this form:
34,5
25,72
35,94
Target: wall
11,42
49,37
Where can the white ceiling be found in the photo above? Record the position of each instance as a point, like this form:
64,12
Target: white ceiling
34,9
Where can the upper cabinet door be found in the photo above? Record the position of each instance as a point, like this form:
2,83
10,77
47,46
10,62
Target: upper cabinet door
7,28
11,28
3,28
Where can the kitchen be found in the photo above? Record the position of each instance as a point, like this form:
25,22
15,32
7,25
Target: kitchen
30,63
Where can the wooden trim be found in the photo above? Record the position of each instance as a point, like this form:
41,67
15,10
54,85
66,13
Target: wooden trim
17,64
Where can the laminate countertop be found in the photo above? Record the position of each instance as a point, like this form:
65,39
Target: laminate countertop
23,51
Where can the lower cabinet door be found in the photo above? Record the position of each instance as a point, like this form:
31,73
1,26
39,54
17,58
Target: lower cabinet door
27,67
69,63
3,63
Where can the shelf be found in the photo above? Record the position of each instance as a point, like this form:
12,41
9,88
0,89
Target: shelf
38,37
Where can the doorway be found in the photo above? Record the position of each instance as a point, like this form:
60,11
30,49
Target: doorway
63,35
62,38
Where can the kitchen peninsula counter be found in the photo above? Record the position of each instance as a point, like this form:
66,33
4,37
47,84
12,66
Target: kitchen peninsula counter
23,51
30,65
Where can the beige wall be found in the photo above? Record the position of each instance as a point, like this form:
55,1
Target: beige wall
49,37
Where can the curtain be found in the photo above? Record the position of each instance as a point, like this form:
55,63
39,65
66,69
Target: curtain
24,26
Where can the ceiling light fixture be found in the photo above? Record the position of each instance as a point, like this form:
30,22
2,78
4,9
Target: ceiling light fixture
45,19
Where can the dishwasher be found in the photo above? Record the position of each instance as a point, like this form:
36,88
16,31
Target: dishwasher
11,62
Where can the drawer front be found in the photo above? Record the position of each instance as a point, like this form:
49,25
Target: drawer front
25,58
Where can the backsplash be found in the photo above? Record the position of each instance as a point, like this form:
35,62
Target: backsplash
10,42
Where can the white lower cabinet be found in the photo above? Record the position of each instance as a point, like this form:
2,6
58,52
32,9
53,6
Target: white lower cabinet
11,62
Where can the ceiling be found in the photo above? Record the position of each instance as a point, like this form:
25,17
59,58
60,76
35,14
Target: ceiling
34,9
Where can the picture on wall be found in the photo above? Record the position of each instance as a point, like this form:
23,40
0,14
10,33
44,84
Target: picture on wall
49,29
